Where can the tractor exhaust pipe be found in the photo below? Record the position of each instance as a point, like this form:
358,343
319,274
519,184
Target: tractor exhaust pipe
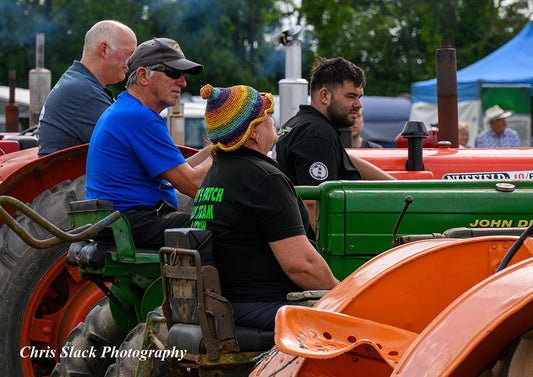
12,109
447,94
40,82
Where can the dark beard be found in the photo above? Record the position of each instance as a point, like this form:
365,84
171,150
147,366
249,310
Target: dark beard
336,117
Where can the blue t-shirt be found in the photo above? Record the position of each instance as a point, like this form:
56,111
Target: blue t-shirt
129,149
72,109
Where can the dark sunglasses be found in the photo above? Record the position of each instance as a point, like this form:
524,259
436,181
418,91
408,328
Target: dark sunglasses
170,72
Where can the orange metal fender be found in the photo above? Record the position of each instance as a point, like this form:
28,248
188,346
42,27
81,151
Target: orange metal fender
403,289
24,175
475,328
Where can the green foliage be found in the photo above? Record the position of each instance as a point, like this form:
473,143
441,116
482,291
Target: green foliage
226,36
64,24
393,41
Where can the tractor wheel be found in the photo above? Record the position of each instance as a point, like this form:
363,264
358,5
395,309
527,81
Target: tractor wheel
127,366
516,360
88,347
41,298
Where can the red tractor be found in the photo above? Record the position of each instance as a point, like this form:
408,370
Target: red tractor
42,297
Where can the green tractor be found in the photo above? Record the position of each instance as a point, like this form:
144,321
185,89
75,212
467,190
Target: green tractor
158,298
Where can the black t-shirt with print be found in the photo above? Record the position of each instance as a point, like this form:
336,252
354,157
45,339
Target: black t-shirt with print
309,150
247,202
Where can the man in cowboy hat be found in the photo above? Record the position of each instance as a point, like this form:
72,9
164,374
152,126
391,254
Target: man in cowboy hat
499,136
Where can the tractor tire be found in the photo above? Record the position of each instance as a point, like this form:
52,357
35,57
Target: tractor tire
127,366
41,297
83,352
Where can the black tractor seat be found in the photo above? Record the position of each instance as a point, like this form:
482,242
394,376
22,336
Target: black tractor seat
91,253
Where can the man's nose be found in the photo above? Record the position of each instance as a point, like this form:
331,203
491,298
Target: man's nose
181,81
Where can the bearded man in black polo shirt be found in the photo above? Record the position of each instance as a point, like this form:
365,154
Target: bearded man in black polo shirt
309,150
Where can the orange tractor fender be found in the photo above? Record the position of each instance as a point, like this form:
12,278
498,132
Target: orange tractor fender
384,318
24,175
475,328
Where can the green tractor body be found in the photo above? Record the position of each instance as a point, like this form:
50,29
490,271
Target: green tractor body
356,220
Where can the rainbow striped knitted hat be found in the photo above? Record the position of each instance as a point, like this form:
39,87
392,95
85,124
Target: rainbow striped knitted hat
233,113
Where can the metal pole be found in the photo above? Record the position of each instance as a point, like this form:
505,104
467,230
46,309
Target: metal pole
292,89
39,51
176,123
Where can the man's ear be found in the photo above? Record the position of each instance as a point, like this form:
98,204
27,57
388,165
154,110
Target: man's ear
143,76
324,96
103,49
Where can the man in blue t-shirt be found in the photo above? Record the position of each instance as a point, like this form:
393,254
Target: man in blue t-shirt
132,159
80,96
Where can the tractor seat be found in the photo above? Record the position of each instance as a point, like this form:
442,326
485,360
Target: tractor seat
91,205
189,337
25,141
91,253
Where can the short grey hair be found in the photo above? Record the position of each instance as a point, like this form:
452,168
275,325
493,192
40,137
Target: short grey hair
132,78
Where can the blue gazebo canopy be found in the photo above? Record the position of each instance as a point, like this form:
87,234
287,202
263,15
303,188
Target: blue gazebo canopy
510,64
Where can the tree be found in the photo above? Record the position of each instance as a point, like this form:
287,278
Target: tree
226,36
23,19
395,41
17,40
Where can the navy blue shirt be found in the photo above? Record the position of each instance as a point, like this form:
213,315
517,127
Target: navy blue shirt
72,109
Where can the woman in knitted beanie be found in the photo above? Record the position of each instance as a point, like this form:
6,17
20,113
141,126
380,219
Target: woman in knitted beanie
258,221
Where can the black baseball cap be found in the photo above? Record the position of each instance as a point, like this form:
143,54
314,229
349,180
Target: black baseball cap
162,51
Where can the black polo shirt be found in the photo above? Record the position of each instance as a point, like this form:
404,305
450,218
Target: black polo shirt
309,150
247,202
